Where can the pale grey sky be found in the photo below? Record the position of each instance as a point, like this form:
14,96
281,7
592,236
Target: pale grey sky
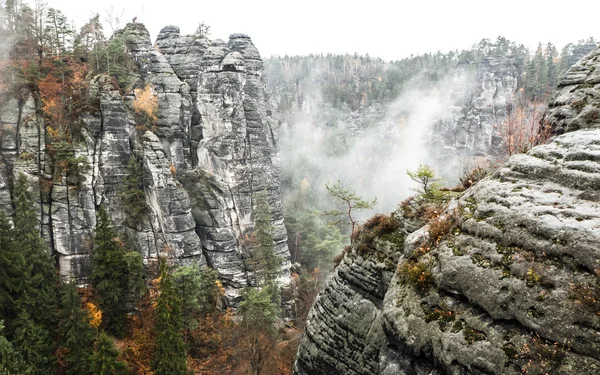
386,29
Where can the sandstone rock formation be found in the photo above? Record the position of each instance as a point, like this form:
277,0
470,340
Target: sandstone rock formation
510,287
478,100
208,154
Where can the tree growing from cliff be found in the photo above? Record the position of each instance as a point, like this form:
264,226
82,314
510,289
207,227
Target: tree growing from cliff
429,184
267,262
132,193
203,30
113,275
170,354
145,106
352,203
112,58
60,32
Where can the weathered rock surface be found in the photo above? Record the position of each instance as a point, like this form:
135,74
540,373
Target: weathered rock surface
234,157
208,154
478,101
512,286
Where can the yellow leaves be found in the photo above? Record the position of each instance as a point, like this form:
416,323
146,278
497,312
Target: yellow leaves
220,289
53,133
95,315
146,103
49,105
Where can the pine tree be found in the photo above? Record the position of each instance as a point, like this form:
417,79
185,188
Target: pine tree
132,193
109,276
551,57
267,262
76,334
11,361
117,276
198,292
351,203
170,355
59,31
39,294
105,359
33,341
36,303
12,266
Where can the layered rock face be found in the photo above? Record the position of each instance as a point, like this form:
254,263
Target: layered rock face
467,128
510,287
204,160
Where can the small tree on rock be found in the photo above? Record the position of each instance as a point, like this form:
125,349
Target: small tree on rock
350,200
132,193
425,177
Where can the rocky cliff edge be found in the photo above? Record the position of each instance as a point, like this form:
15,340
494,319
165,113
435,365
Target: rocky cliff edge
504,281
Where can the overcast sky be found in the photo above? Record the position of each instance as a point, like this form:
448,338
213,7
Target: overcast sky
386,29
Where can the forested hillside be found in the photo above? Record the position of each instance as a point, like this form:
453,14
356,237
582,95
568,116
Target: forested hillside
355,82
366,121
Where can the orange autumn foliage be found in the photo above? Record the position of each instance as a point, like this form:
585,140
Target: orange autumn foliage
522,127
139,345
63,91
95,315
146,105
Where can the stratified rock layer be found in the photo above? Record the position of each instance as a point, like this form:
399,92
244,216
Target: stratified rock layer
204,160
513,285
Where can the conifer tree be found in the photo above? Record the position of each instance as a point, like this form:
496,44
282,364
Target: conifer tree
12,265
132,193
267,262
11,361
117,276
109,276
351,202
105,359
39,293
33,342
198,292
170,355
76,334
36,303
